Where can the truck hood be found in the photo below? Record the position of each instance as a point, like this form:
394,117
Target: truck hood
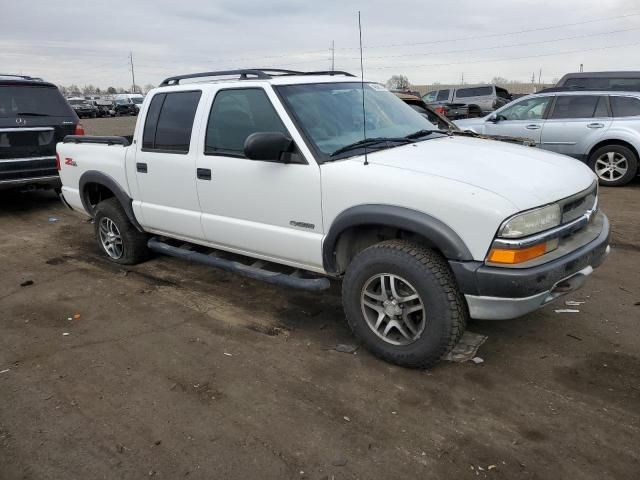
525,176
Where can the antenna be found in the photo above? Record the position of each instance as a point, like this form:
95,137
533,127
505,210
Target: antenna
364,116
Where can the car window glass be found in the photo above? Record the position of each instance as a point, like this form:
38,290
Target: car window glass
32,99
604,83
236,114
528,109
430,97
574,106
442,95
474,92
625,106
601,108
174,122
151,122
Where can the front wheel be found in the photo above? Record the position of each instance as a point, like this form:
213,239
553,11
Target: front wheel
615,165
402,302
116,236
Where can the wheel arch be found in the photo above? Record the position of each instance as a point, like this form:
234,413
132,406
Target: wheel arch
97,186
364,225
613,141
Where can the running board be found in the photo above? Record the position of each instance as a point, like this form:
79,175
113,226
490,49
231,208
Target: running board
255,270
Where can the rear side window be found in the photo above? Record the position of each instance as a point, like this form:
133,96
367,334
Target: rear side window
474,92
430,96
17,100
169,122
625,106
575,106
442,95
236,114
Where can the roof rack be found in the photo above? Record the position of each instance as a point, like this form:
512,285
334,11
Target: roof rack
22,77
621,88
247,74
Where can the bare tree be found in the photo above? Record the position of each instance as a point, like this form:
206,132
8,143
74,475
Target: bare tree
112,90
148,87
398,82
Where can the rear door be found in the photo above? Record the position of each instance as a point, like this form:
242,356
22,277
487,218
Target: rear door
165,166
575,123
524,118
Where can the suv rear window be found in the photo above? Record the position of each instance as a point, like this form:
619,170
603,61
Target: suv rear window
169,122
474,92
575,106
17,100
625,106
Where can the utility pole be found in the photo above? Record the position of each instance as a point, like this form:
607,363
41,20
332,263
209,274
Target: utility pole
333,55
462,78
133,75
540,77
581,68
533,78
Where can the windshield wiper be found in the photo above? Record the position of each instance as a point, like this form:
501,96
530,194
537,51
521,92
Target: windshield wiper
424,133
31,114
370,142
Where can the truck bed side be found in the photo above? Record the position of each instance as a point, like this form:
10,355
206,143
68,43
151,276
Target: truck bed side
99,156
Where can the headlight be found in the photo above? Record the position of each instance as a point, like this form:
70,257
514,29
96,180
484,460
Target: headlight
531,222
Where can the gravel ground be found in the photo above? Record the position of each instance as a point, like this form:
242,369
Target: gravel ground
173,370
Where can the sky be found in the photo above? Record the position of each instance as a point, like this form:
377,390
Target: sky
75,42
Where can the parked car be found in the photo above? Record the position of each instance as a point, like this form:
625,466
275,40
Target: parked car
134,99
83,108
601,81
124,107
425,229
599,128
443,123
104,108
34,116
467,102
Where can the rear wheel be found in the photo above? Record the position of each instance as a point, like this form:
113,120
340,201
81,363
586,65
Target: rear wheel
403,304
116,236
615,165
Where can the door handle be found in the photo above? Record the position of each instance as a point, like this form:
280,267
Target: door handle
533,127
595,125
141,167
204,173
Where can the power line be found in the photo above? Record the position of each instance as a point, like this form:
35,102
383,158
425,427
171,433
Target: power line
525,44
491,35
567,52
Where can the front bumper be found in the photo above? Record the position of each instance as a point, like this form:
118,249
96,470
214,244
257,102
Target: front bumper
497,293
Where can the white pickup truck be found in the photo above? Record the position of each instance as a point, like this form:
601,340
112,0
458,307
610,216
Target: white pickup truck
285,177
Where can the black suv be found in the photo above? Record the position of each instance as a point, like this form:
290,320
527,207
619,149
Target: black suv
34,116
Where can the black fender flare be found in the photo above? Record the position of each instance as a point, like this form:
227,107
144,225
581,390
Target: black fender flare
93,176
433,230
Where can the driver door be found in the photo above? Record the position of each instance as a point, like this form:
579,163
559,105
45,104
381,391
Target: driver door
523,119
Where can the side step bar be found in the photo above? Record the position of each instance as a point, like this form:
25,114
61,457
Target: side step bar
255,271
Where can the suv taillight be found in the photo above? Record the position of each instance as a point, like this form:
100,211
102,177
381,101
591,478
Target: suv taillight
441,110
79,129
57,162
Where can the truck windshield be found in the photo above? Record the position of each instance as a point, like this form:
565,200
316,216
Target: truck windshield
330,114
23,100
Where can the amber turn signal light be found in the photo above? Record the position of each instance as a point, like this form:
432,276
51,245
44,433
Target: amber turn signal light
512,255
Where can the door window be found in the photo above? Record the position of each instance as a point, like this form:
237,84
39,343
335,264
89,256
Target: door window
443,95
575,106
430,97
625,106
236,114
169,122
528,109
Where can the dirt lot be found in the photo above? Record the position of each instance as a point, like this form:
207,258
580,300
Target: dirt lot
175,370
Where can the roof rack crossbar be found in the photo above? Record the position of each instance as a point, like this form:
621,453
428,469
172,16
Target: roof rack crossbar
246,74
24,77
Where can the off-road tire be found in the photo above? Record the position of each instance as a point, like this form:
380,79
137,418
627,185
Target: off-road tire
628,154
134,242
430,275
